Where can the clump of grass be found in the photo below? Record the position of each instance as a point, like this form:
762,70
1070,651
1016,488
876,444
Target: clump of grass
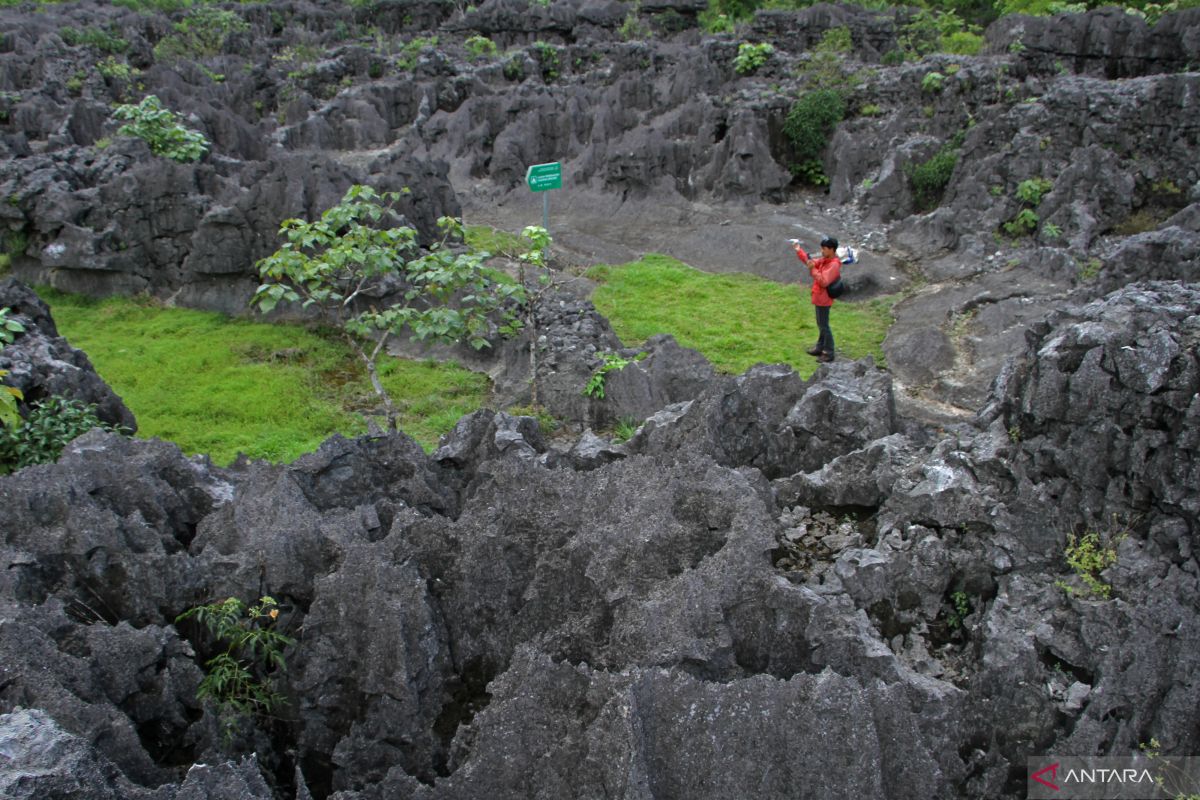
735,320
219,385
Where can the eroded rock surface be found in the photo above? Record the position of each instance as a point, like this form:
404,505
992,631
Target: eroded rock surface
775,576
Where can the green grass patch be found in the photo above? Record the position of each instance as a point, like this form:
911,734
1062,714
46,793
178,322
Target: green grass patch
494,240
735,320
219,385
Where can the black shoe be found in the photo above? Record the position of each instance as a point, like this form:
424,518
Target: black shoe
825,358
813,351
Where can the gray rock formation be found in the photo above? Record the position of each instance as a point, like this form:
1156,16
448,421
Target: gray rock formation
766,579
42,364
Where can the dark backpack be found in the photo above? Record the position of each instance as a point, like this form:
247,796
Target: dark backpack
836,289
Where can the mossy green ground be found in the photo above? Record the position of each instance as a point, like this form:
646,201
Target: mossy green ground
735,320
220,385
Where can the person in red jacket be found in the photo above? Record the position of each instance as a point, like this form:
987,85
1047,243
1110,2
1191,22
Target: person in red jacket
824,271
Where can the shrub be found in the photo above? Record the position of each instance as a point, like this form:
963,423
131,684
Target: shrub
160,128
808,126
50,426
411,51
94,37
1023,224
240,678
514,68
1031,191
751,56
962,43
201,33
480,47
115,69
932,82
547,56
933,31
1088,556
930,178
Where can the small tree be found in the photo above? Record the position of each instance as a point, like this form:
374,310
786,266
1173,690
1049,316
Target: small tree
370,283
241,678
160,128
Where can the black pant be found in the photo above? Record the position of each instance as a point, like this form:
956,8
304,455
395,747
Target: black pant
825,340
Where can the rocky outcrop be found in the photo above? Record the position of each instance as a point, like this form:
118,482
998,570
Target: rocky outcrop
765,578
42,364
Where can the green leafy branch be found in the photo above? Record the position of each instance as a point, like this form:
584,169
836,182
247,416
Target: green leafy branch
609,362
10,396
1089,555
239,680
160,128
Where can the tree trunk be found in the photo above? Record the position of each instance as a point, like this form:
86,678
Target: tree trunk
369,359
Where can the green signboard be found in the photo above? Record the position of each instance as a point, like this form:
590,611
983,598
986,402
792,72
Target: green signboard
541,177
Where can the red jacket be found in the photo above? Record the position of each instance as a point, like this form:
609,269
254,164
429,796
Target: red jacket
824,271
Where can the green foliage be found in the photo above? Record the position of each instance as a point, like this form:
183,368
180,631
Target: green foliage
10,396
480,46
1023,224
930,178
961,609
114,68
547,57
493,240
240,680
160,128
626,428
9,328
154,6
200,34
713,20
751,56
411,51
1088,556
609,362
962,43
1030,192
808,126
835,41
345,257
1090,269
732,11
735,320
514,68
97,38
633,27
937,30
932,82
50,425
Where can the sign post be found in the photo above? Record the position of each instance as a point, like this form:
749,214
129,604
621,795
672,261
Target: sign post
541,178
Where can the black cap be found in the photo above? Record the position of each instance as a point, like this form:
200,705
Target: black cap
829,241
